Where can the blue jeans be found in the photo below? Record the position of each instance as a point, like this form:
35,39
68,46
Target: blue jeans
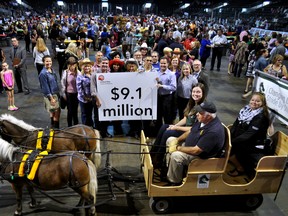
159,145
86,113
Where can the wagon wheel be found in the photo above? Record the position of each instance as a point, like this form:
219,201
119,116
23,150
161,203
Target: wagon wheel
253,201
160,205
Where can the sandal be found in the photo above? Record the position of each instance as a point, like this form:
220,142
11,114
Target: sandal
235,172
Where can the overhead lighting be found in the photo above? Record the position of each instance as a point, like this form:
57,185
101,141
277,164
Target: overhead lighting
206,10
265,3
19,2
60,3
244,10
104,4
147,5
119,8
186,5
220,10
220,6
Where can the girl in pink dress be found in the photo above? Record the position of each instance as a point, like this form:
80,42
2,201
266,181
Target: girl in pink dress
7,78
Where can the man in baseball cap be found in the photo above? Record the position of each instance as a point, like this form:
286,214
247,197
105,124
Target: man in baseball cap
205,140
206,106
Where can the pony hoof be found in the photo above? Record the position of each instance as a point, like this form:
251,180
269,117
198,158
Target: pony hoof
34,204
16,213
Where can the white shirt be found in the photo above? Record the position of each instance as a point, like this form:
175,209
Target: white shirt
39,55
219,40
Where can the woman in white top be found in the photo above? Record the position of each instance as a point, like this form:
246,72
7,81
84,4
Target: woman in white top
39,51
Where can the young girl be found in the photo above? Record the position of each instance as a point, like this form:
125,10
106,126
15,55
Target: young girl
7,78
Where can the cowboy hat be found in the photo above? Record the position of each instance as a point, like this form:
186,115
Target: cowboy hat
86,61
131,61
116,61
143,46
177,51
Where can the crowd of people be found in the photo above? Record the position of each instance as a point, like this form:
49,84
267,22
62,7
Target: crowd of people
177,50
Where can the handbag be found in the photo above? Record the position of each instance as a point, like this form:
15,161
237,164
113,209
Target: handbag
16,61
49,107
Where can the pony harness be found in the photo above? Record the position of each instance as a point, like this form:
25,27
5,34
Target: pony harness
45,139
30,163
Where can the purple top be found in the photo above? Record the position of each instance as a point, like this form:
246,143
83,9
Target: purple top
83,87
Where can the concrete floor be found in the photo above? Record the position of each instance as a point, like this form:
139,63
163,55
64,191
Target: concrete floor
225,91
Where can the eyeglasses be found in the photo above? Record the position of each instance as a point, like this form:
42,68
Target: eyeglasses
154,56
149,60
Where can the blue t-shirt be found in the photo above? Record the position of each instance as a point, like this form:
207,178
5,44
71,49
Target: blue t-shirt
210,138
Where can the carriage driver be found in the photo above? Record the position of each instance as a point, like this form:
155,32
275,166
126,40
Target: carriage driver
205,140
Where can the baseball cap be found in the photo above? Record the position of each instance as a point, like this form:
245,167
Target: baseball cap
206,106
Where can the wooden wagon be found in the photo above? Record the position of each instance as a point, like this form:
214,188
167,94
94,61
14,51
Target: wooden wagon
209,177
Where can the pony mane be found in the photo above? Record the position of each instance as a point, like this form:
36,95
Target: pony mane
6,150
17,122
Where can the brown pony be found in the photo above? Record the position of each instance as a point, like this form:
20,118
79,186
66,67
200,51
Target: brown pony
75,138
54,172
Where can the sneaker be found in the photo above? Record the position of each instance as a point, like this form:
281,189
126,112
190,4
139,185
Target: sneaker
15,108
11,108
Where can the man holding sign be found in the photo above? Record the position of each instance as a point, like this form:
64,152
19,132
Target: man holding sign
101,126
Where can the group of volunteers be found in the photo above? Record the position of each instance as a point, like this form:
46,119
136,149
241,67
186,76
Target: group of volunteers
177,50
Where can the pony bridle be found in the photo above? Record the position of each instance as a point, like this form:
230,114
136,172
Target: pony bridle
2,132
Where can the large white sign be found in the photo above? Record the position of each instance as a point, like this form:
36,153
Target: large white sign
127,96
276,93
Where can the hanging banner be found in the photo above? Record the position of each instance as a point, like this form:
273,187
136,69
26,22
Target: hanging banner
276,93
127,96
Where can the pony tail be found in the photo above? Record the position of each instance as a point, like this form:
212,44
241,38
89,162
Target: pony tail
93,183
96,156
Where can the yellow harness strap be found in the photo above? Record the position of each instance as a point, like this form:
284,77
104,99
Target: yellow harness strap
51,136
50,141
22,164
35,165
39,139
